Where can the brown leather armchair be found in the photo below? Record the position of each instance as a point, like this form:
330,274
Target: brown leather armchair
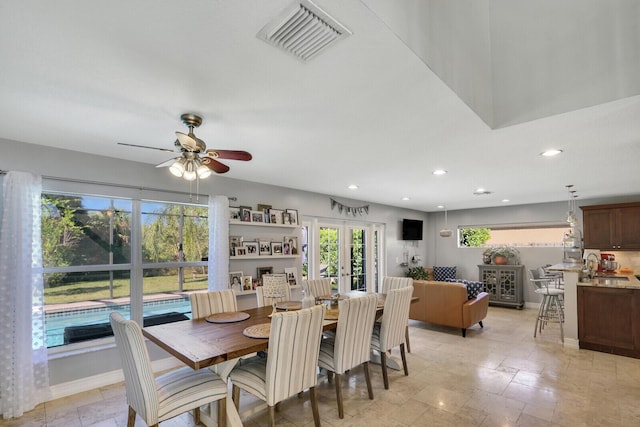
445,303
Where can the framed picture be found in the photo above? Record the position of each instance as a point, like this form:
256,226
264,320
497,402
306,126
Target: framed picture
292,275
262,271
275,216
240,251
235,280
292,242
247,283
245,213
267,217
286,249
292,215
252,248
276,248
257,216
265,247
262,207
256,283
234,242
234,213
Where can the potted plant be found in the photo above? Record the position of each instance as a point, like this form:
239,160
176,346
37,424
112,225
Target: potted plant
417,273
501,255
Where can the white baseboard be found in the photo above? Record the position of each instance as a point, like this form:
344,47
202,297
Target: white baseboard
105,379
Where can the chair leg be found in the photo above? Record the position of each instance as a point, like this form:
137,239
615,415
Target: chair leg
464,332
404,360
406,338
383,363
367,377
329,376
314,406
272,416
196,416
131,419
222,412
339,395
235,396
480,323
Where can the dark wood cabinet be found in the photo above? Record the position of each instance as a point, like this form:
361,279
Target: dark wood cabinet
609,320
614,227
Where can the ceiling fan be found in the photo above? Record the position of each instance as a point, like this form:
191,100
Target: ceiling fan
196,160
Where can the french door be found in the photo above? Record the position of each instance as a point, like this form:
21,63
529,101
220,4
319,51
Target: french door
347,253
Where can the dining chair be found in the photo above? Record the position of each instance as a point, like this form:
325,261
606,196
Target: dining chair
274,289
351,346
317,287
389,283
171,394
291,364
389,333
204,304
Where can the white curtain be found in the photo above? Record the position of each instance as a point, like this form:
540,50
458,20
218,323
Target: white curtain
24,373
218,243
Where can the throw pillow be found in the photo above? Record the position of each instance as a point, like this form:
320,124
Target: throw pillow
440,274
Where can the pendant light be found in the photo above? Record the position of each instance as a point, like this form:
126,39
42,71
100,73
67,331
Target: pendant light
446,231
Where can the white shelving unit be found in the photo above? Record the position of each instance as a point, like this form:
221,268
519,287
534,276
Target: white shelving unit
256,231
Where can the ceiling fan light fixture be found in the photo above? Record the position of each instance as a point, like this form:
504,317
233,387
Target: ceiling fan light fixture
190,170
177,168
203,171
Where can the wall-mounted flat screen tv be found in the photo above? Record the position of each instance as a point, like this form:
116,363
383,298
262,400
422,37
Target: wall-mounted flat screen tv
411,229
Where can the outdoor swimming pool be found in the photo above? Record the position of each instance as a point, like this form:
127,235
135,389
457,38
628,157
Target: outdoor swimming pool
57,322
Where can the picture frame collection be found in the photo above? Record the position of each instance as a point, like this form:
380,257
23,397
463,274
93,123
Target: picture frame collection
240,282
238,247
263,214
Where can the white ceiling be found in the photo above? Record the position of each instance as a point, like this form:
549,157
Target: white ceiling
476,87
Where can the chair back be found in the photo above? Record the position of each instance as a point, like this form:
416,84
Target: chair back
317,287
389,283
274,289
395,317
353,334
204,304
139,380
543,285
294,346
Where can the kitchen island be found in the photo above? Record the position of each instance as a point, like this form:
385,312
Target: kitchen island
609,314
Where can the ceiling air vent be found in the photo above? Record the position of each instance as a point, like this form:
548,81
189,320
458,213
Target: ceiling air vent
304,30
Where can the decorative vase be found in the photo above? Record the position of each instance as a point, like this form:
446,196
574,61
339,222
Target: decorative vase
500,260
486,259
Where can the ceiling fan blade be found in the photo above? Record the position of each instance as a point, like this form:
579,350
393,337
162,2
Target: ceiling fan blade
167,162
229,154
187,142
214,165
146,146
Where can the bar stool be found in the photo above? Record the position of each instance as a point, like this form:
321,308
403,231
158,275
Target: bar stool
551,308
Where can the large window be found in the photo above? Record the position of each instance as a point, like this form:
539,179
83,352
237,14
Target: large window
518,235
89,269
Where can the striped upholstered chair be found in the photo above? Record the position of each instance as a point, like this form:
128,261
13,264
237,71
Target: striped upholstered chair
274,289
291,363
169,395
204,304
351,346
317,287
390,332
389,283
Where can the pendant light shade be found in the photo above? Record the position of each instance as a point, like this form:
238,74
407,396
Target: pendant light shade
446,232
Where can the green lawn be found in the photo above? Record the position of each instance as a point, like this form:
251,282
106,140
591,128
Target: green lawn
98,290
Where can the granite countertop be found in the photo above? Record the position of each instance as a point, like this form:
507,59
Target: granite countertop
616,280
563,266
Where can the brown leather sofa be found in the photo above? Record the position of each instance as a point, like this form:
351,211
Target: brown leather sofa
445,303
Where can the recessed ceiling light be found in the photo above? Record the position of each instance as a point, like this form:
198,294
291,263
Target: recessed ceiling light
439,172
352,187
481,191
440,207
551,153
505,200
405,198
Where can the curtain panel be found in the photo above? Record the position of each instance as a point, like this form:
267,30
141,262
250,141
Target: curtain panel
218,243
24,374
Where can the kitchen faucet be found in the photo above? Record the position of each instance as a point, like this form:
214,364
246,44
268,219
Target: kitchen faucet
591,264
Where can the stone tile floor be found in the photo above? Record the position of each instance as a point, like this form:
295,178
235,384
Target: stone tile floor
497,376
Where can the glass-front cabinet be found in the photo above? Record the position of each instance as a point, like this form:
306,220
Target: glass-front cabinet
504,284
